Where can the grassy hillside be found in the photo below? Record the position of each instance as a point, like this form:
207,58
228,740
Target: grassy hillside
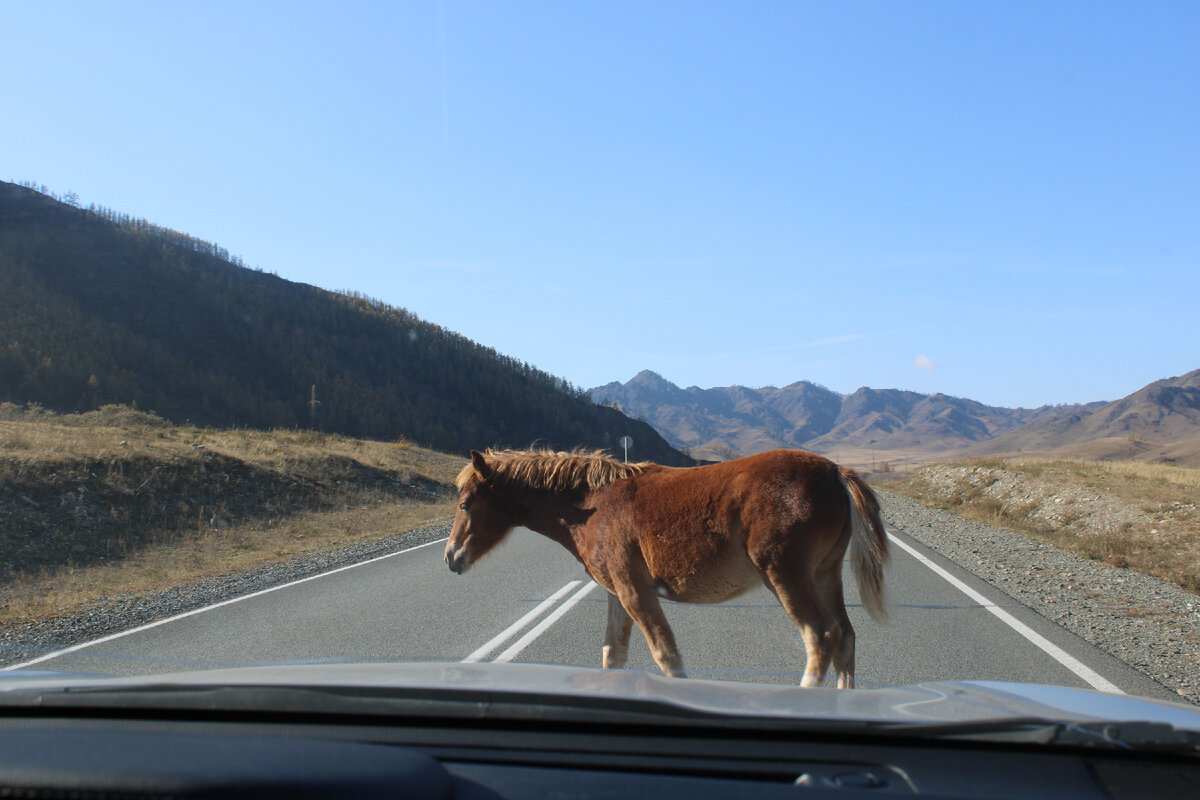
118,501
98,308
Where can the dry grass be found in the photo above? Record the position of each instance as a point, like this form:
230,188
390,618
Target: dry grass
884,465
1132,514
116,502
1133,480
116,433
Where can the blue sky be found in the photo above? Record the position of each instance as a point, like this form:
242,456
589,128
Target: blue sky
998,201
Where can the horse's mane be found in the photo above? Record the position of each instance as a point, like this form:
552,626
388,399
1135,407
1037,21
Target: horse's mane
552,471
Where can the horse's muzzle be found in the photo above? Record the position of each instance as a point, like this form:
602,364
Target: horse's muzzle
456,560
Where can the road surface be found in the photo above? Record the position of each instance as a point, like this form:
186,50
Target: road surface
530,601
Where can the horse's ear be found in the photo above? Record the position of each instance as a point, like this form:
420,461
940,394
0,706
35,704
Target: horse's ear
479,464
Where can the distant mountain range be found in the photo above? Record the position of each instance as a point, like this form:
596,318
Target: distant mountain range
727,421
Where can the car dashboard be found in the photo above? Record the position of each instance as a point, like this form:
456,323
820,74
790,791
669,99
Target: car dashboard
72,752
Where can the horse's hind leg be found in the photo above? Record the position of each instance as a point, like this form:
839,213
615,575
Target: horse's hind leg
843,657
823,634
616,635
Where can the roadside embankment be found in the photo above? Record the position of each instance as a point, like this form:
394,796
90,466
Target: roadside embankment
1125,513
118,502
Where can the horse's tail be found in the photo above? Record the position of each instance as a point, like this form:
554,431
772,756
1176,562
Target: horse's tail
868,543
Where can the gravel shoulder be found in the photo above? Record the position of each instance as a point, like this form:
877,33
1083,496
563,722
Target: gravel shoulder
1147,623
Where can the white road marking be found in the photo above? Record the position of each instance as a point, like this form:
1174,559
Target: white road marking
515,628
1085,672
541,627
195,611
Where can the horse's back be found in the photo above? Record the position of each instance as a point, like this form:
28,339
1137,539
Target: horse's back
700,528
784,483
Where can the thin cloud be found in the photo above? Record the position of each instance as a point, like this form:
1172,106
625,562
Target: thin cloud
924,363
845,337
462,266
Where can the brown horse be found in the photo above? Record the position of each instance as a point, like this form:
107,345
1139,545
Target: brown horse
694,535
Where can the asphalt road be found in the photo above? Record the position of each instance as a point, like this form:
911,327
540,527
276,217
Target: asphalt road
530,601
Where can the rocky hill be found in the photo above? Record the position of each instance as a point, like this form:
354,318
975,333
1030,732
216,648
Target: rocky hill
1159,421
743,419
892,419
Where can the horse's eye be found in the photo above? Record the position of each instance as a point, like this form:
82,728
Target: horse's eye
466,507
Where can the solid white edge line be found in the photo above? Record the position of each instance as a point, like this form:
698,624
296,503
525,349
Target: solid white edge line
540,628
1069,661
194,611
515,628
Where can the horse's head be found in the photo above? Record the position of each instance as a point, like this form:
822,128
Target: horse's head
485,516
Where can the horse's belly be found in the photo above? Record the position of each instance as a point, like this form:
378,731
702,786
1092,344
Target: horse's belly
714,584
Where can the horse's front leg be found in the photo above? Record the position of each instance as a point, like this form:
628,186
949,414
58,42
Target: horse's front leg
616,635
641,603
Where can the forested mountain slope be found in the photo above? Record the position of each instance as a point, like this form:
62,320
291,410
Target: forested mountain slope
99,308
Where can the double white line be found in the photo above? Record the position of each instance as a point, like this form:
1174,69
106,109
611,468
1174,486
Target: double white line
516,647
